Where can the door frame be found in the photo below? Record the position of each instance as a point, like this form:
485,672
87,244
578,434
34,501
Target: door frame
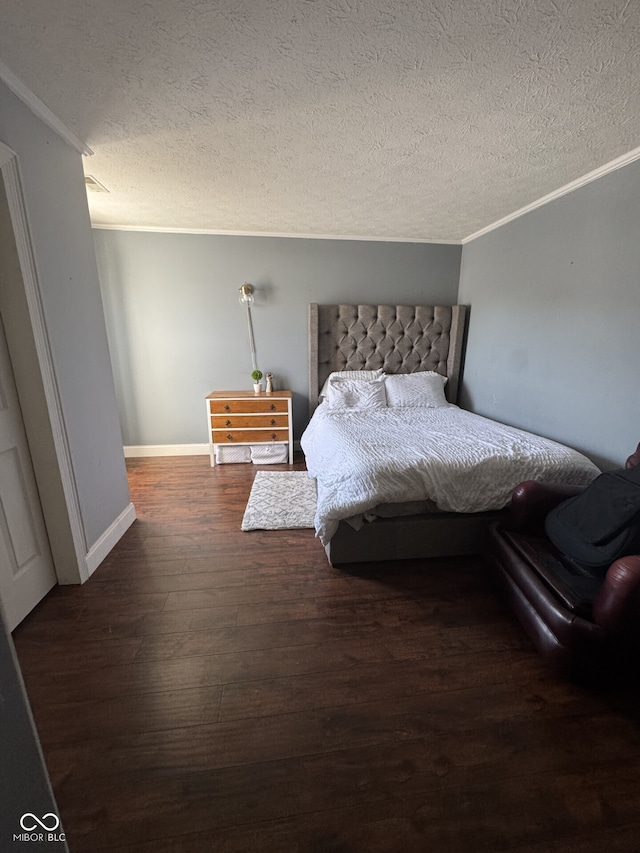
69,555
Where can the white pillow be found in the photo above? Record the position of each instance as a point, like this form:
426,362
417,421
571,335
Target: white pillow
348,374
357,394
422,389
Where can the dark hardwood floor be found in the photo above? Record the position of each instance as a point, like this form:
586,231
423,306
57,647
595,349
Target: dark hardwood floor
213,690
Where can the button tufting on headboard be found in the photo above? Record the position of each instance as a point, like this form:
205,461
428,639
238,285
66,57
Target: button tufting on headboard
398,338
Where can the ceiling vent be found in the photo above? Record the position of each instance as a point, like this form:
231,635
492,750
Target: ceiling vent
94,185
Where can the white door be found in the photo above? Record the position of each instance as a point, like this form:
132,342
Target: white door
26,566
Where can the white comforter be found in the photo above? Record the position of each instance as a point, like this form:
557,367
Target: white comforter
462,462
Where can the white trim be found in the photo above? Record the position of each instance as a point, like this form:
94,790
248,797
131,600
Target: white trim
110,538
153,229
11,175
138,450
6,155
134,450
600,172
41,110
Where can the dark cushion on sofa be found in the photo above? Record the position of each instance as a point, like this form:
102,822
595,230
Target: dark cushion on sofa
602,523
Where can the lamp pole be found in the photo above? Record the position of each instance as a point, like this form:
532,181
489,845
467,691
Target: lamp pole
246,297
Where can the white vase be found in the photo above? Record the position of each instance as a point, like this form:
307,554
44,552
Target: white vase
257,387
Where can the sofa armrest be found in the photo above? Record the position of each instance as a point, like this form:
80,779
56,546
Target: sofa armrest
634,459
531,501
619,593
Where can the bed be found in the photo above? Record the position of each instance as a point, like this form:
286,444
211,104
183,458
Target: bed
403,472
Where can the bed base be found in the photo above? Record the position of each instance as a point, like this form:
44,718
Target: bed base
445,534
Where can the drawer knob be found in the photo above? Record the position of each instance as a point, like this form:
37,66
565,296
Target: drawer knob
273,421
227,422
229,437
273,436
272,406
226,408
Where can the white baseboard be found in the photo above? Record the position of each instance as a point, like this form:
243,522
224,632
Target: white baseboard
133,450
109,538
166,450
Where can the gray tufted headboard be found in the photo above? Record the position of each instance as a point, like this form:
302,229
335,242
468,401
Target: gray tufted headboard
398,338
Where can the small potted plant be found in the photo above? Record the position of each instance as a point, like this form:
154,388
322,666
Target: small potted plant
257,377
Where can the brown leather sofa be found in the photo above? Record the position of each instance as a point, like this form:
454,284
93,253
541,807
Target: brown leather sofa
578,623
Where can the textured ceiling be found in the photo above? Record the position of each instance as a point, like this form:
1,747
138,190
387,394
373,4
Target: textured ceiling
415,119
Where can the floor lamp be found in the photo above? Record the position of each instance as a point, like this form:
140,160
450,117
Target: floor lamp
246,299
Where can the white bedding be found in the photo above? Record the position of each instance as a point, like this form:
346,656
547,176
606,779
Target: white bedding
461,461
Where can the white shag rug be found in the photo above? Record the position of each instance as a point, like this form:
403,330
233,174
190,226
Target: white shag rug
281,500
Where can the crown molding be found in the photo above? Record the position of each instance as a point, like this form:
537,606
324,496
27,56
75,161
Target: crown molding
153,229
600,172
41,110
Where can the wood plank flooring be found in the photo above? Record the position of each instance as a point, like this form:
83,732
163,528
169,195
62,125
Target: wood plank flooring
214,690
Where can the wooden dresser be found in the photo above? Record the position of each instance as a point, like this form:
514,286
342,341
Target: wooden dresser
246,418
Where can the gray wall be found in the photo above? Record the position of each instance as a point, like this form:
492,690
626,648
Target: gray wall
553,340
177,331
53,185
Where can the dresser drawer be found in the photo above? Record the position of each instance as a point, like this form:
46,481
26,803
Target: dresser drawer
243,407
240,421
249,436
